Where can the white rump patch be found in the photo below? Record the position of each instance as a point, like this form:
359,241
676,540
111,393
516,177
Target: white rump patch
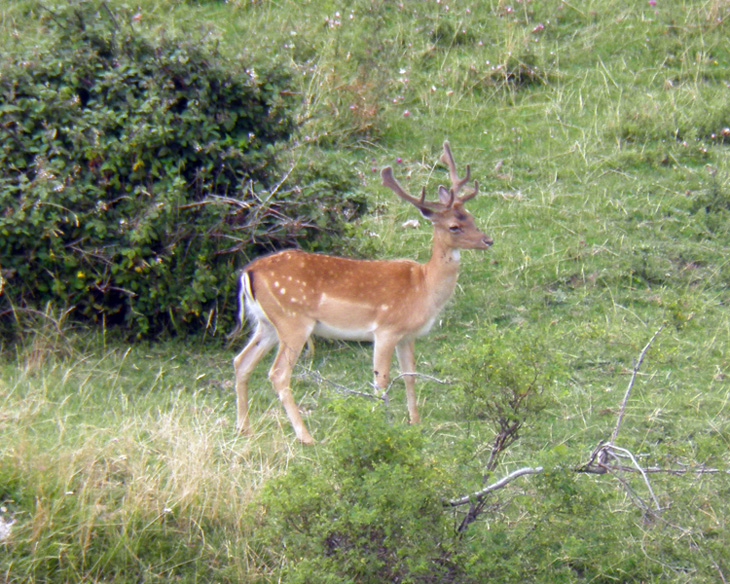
253,309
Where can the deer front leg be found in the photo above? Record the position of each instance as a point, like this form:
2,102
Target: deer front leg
280,375
261,342
382,356
407,362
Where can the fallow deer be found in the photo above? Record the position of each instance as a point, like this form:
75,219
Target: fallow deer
293,294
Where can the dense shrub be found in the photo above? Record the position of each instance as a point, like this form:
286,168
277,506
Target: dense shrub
370,512
136,174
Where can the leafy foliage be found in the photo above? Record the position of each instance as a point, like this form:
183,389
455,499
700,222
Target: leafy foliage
503,378
134,174
370,512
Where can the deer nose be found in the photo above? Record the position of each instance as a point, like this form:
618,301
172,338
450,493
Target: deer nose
487,241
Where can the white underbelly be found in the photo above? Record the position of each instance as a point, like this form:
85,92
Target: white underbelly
424,330
323,329
365,333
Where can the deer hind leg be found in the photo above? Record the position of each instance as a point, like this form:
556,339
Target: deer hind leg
407,362
290,347
261,342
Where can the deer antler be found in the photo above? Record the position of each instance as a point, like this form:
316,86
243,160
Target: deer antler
457,183
390,182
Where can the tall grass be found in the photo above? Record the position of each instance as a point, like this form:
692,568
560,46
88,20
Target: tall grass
116,461
596,130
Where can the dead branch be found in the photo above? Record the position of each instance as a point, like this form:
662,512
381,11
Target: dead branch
637,365
616,451
501,483
598,464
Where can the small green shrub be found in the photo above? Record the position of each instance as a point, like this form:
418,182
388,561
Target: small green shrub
370,511
138,172
502,376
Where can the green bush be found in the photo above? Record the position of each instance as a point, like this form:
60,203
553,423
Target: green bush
369,512
502,377
136,175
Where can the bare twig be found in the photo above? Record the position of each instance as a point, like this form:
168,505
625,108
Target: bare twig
637,365
501,483
421,375
110,14
606,451
319,379
719,570
286,176
598,464
637,466
603,468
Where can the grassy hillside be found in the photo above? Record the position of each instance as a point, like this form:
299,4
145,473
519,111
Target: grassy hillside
599,133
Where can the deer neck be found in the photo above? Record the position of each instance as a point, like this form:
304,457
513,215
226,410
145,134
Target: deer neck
442,271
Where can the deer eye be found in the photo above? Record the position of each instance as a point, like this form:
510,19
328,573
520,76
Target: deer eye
455,229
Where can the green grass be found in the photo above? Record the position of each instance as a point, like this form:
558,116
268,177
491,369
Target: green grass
596,132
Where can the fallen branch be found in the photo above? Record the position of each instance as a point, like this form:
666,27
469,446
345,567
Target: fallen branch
629,455
421,375
501,483
637,365
597,464
604,468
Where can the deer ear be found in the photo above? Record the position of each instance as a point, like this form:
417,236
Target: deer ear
427,213
446,196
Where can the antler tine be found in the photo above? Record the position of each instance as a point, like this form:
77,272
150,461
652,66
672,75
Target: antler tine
471,195
390,182
456,183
